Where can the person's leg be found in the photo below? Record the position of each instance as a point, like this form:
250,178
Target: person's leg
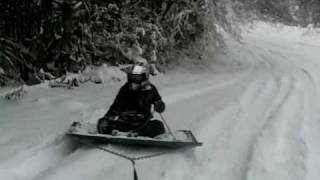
106,126
152,129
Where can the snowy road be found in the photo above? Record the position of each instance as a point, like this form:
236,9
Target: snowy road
256,112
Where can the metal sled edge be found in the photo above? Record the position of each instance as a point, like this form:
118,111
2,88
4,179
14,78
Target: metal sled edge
138,141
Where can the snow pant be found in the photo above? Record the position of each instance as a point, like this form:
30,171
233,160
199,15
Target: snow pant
151,128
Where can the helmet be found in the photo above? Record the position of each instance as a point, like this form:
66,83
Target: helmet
138,74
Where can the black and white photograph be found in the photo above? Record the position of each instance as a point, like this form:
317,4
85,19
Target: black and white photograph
159,89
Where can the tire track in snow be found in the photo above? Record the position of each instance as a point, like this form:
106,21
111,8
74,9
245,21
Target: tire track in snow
244,125
293,146
249,125
234,148
279,152
310,129
226,135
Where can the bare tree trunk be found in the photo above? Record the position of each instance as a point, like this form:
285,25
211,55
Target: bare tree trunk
67,24
46,24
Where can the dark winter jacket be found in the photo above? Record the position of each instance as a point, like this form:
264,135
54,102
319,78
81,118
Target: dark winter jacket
139,101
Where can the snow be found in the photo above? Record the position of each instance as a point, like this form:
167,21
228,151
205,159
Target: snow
1,71
255,108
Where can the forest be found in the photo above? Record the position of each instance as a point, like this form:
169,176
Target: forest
44,39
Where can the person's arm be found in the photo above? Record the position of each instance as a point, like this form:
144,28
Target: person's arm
117,104
158,104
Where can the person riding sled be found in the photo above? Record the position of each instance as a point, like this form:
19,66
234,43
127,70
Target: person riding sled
131,110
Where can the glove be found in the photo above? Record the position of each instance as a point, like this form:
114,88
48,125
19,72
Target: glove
159,106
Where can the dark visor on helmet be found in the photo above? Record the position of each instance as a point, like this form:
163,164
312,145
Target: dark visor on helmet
136,78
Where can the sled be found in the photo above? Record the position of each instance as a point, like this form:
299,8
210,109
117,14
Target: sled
178,139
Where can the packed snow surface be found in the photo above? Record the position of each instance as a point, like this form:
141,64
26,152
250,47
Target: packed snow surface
255,108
